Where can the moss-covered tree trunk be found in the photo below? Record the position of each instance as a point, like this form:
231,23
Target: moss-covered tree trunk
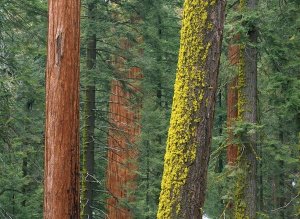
246,192
61,191
188,147
89,118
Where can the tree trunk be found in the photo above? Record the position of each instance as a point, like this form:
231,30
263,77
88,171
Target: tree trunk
247,109
232,115
61,191
232,111
188,147
89,120
123,133
232,102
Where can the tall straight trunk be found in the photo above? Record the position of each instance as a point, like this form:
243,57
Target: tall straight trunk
232,115
189,139
232,109
87,194
247,107
123,133
61,181
232,102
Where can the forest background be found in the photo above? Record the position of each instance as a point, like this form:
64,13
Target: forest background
133,46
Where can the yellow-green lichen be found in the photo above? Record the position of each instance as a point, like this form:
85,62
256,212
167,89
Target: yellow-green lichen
240,205
241,83
239,196
188,94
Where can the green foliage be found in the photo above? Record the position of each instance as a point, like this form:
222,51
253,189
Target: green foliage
22,66
278,155
159,28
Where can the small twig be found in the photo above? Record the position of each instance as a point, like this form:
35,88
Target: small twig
286,204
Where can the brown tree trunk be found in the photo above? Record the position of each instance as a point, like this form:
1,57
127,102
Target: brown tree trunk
87,195
189,138
232,102
123,133
234,55
232,113
61,182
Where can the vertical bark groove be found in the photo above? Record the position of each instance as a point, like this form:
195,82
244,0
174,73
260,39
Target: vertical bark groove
61,181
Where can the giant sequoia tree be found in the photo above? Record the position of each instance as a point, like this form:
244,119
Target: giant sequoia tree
187,153
61,192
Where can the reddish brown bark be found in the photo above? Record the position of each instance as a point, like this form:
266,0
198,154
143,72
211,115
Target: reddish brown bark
232,101
123,133
61,183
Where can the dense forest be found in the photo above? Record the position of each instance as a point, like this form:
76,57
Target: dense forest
123,109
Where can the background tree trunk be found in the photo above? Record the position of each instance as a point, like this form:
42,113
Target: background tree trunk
188,148
232,112
61,192
232,102
123,133
247,107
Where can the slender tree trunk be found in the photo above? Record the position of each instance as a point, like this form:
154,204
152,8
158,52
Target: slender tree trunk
232,102
61,191
89,120
232,111
188,147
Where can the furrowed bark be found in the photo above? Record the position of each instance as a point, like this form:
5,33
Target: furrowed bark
123,133
61,181
188,147
246,191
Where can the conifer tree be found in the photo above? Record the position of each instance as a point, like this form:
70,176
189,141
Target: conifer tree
232,102
61,191
246,191
124,127
188,146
